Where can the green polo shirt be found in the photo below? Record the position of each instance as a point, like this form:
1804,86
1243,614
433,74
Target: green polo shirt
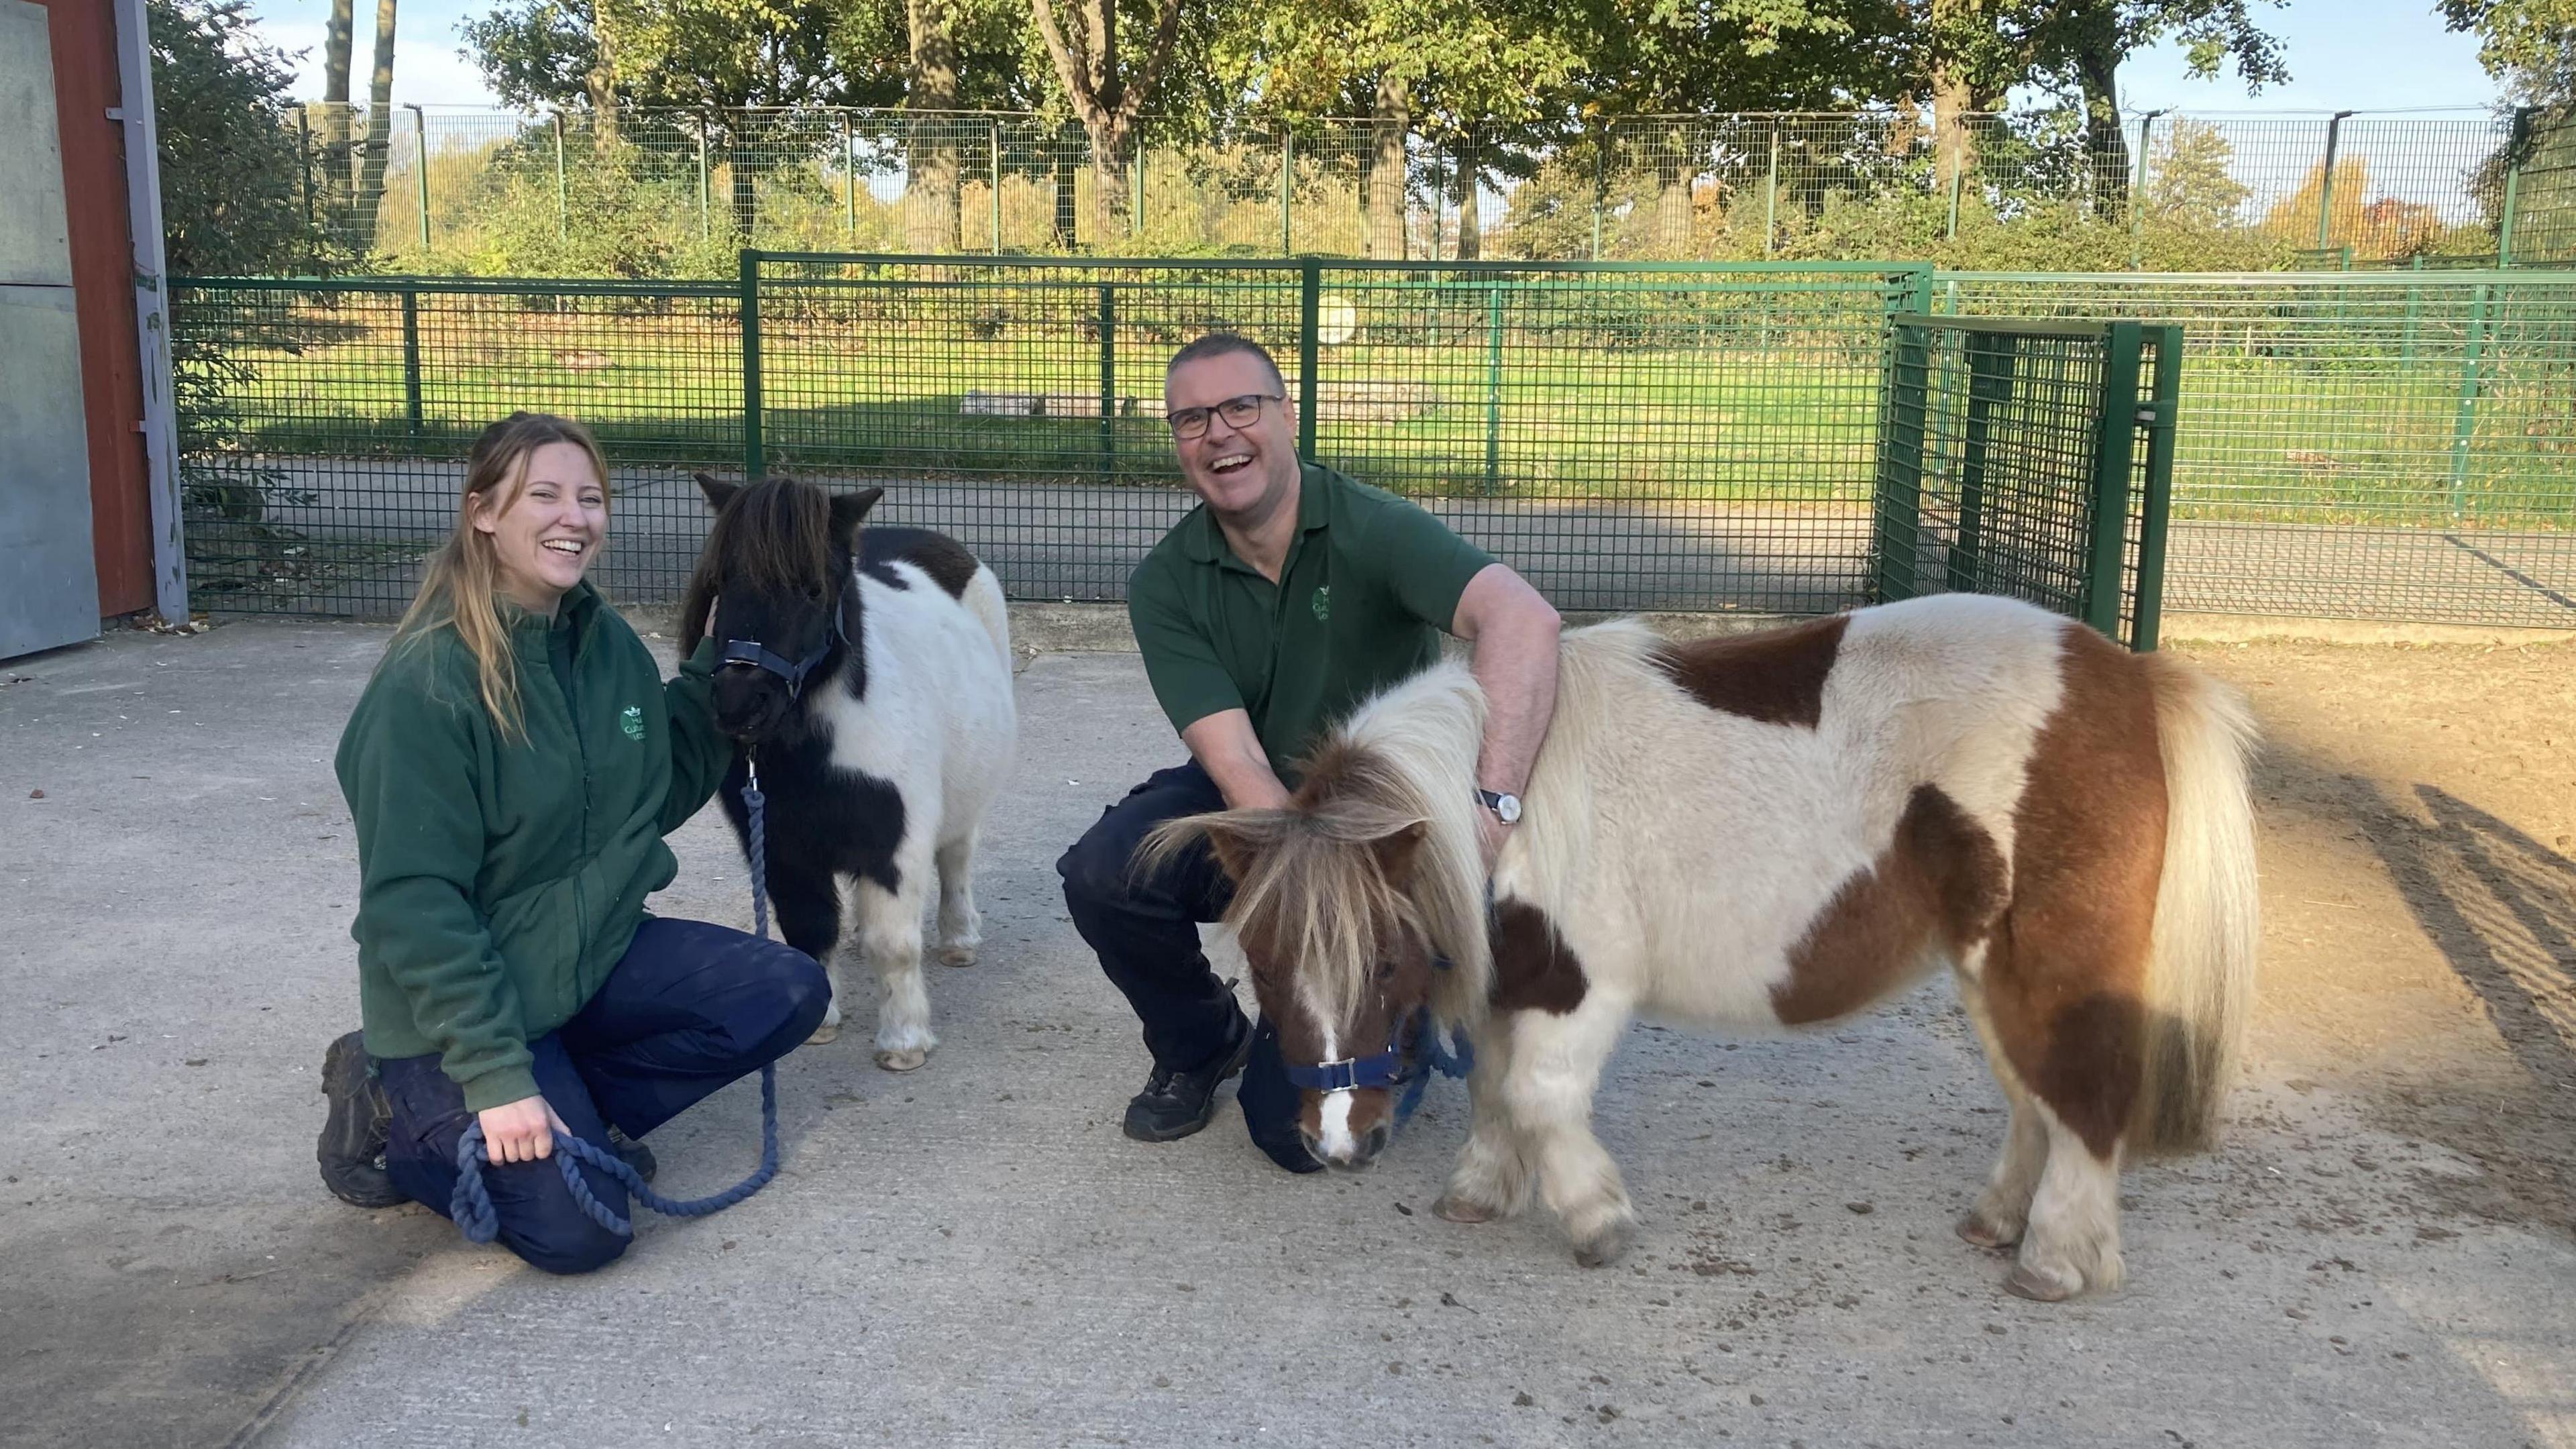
1370,583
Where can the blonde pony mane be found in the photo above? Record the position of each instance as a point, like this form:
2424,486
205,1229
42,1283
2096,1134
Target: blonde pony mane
1313,875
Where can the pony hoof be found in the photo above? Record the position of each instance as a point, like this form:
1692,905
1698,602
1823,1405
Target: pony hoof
1604,1247
825,1034
1456,1209
902,1061
957,956
2041,1285
1977,1232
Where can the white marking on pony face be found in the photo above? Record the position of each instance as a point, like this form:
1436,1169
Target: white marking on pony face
1334,1113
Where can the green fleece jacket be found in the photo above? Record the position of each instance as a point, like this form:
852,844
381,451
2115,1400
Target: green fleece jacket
499,880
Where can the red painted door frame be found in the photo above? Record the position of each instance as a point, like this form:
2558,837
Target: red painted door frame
85,89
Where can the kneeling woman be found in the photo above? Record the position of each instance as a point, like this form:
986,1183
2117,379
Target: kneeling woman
511,770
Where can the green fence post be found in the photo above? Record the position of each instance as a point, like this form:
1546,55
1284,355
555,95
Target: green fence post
411,357
304,161
1136,193
2414,309
420,141
2138,193
1600,184
1310,291
997,188
2464,426
563,201
2156,509
1771,195
2515,147
1108,381
849,174
704,182
1958,180
1493,390
1287,191
755,462
2114,454
2325,179
1904,402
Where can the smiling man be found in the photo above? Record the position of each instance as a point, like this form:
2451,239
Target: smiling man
1289,595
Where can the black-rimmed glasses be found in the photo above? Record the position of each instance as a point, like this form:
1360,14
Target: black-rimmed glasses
1238,412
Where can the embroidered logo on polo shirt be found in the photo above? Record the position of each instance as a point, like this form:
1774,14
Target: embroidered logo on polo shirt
1324,603
632,721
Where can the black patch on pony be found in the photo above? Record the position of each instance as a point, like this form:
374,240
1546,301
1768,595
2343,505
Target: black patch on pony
1534,970
822,821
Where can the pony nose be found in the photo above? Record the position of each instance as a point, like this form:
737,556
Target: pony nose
1363,1151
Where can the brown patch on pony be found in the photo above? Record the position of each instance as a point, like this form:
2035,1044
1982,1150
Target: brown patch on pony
1940,880
947,561
1776,676
2065,982
1534,970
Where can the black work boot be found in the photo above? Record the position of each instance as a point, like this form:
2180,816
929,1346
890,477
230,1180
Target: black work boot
1176,1103
633,1153
352,1147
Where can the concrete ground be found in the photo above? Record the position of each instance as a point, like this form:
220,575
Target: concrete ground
972,1254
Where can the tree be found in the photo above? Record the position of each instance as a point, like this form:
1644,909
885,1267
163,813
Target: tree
2530,45
380,127
725,60
236,198
1106,94
2190,182
2076,46
336,42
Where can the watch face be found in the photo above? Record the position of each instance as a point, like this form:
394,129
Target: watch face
1507,808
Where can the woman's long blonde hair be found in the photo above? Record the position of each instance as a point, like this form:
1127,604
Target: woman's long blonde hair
460,588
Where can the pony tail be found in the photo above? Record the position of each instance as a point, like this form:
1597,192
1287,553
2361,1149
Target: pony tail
2200,978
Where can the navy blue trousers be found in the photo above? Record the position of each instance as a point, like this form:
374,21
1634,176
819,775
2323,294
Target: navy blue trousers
1145,927
688,1009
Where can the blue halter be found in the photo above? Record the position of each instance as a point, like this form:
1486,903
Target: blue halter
758,655
1388,1068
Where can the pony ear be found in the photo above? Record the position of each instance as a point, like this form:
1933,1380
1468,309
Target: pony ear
718,491
848,509
1398,853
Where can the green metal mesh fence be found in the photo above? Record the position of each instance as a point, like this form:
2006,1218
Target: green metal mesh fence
2029,459
664,193
2373,445
1632,437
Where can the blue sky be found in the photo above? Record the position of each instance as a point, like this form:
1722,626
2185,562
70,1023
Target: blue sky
2366,55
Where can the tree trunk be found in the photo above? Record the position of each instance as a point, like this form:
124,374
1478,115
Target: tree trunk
1107,100
338,166
2106,141
931,221
600,82
1382,170
1674,174
1471,224
380,127
1954,146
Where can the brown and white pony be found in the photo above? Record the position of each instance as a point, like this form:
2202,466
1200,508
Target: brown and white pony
1773,830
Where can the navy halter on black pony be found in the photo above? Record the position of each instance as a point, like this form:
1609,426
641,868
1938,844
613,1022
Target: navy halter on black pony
758,656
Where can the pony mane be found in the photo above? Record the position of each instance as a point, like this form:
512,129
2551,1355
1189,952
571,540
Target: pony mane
1314,875
774,537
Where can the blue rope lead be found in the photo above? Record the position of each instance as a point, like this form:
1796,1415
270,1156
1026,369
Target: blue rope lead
471,1204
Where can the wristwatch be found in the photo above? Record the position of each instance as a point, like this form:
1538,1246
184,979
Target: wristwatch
1506,808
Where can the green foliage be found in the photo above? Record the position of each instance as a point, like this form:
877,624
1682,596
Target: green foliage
233,183
2528,44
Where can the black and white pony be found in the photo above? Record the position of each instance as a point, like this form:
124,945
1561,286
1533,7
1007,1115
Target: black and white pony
867,676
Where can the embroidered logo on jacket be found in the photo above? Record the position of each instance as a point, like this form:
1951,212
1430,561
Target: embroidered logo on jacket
632,721
1324,603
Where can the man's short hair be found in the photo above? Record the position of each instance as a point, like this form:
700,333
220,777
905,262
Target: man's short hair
1219,344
